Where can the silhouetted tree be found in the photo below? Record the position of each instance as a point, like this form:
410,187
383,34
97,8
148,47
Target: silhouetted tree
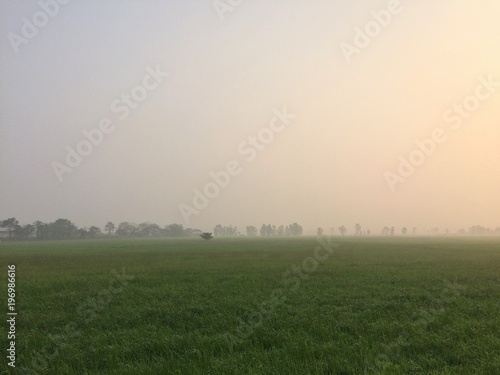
206,236
110,227
63,229
218,230
82,233
23,231
10,224
171,230
39,226
230,231
147,229
295,229
126,229
94,232
251,231
342,230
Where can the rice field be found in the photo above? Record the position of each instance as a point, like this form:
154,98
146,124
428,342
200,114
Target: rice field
342,305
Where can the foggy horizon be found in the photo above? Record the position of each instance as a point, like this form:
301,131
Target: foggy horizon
284,112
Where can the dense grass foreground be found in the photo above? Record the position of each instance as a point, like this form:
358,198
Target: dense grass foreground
375,306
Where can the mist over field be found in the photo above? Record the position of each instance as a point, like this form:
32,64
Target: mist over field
383,113
164,166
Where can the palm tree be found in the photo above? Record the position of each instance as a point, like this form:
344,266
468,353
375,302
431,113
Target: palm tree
206,236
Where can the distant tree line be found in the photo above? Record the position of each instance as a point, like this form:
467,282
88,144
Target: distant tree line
266,230
64,229
230,231
275,231
478,230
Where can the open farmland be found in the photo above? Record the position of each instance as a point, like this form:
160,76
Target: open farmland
254,306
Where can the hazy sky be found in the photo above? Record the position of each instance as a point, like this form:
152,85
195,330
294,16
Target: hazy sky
358,103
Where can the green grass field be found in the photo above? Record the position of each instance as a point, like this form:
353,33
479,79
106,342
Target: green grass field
255,306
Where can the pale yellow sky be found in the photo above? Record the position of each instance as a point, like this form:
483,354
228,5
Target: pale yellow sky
326,168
